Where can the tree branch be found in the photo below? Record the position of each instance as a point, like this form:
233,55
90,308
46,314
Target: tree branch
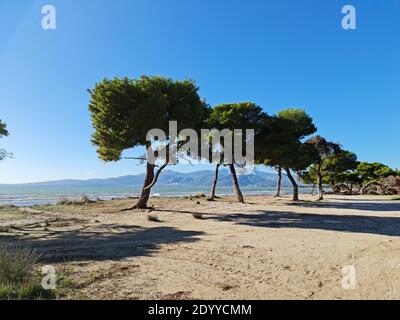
159,170
136,158
156,176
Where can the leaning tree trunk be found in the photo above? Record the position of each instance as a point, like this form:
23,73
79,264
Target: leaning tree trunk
214,184
294,184
236,184
279,183
319,182
312,190
145,195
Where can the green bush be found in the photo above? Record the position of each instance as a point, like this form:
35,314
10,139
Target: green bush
18,278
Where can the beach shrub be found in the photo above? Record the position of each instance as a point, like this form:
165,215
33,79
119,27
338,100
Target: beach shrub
85,200
196,196
18,277
386,186
369,172
82,201
64,202
98,200
197,215
153,218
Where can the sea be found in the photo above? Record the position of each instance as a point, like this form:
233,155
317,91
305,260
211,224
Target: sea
33,195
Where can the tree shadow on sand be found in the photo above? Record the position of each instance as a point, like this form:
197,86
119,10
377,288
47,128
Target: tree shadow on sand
388,226
105,242
352,205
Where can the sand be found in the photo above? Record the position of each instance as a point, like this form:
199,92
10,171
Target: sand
268,248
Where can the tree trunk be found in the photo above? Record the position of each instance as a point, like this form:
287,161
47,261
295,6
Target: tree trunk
294,184
334,186
145,195
236,184
319,181
279,182
214,184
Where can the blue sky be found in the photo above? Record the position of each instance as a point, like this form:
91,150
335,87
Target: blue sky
279,54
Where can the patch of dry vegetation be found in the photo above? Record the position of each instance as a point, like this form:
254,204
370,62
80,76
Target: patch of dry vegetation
197,215
82,201
18,279
153,218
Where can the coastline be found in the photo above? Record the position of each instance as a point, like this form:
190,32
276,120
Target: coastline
31,197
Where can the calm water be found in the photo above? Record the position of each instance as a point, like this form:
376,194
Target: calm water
39,195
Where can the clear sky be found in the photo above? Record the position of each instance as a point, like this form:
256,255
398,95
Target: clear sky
279,54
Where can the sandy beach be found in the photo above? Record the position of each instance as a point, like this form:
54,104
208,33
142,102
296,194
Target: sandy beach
268,248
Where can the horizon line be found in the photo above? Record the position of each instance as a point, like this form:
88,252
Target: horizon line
106,178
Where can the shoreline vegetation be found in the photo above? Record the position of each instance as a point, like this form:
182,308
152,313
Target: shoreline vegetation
282,141
125,112
43,197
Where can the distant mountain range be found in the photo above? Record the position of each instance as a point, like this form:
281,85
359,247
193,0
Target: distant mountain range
171,178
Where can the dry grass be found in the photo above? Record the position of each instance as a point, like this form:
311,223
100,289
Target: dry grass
18,279
82,201
153,218
197,215
196,196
